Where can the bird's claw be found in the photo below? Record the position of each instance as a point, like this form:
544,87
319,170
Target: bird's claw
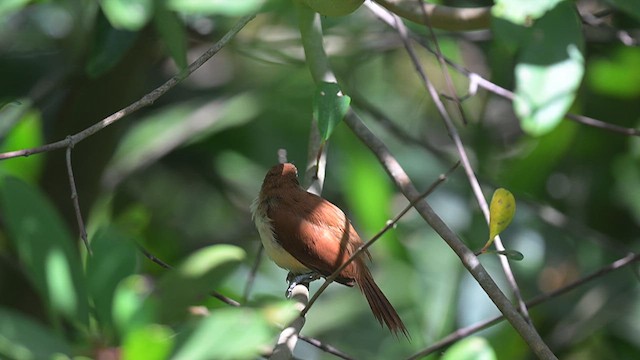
299,279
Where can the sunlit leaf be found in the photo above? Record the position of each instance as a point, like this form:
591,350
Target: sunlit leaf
9,6
151,342
45,247
522,12
220,7
330,106
195,278
232,333
23,338
472,348
549,70
26,133
618,75
129,15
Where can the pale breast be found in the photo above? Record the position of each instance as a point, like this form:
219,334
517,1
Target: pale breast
271,246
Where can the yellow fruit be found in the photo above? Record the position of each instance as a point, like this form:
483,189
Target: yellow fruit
334,7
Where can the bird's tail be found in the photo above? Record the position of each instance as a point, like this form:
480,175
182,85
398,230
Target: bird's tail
380,305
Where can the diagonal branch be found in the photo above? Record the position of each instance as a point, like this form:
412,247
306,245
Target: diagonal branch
468,259
455,136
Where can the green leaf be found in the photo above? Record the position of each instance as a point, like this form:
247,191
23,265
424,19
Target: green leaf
329,107
618,75
549,70
7,7
233,333
114,258
217,7
108,48
151,342
46,249
195,278
631,7
522,12
26,133
472,348
511,254
133,306
23,338
173,35
185,123
130,15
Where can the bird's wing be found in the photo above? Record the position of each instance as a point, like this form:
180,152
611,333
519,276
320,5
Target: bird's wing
317,233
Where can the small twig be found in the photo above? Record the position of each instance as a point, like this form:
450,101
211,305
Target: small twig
464,332
391,223
326,348
146,100
75,200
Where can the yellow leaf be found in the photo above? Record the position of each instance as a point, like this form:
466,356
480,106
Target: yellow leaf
501,210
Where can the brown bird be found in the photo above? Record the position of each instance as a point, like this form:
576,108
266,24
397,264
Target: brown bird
306,234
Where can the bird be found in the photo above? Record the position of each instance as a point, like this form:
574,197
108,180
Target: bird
311,238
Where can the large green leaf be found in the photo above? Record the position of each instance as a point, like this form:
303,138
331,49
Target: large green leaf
46,249
195,278
22,338
522,12
129,15
234,333
221,7
114,258
549,70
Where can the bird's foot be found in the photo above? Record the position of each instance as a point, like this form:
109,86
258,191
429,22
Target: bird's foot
300,279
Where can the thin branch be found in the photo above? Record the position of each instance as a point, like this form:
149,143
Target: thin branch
146,100
326,348
440,16
466,164
391,223
500,91
464,332
443,64
75,200
468,259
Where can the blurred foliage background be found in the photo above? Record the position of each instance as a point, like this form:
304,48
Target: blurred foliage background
179,176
